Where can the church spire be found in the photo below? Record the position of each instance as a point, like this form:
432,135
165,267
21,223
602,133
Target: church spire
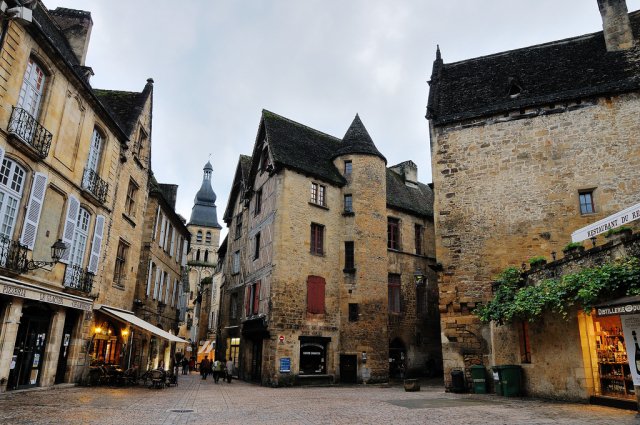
204,212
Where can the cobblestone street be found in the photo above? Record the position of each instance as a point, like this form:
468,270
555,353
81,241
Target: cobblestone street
196,401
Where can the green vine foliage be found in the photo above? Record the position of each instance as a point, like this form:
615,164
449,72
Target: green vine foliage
515,301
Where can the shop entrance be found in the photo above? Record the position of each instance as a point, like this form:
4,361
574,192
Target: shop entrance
28,354
65,346
348,368
397,359
256,360
312,358
614,376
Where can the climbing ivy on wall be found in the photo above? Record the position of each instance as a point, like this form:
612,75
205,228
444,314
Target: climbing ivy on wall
513,300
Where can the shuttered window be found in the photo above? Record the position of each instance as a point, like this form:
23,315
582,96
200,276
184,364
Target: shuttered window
394,293
315,294
317,237
34,208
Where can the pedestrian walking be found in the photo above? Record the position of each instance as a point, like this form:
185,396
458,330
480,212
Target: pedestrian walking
185,366
217,370
205,367
229,370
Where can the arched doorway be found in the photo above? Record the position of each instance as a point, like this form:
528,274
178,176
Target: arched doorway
28,354
397,358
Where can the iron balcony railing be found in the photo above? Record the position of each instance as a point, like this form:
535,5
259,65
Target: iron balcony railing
29,130
92,182
13,255
75,277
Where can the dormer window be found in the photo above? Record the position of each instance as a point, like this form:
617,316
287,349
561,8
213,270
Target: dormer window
514,88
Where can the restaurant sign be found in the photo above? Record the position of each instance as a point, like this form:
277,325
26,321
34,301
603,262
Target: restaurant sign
49,297
615,220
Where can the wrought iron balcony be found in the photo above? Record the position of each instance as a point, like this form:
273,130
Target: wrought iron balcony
13,255
28,130
75,277
92,182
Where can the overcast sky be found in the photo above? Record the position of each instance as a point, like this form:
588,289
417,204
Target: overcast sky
217,64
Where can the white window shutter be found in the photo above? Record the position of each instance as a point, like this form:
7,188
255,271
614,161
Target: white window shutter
70,226
173,241
1,155
184,253
167,290
161,286
149,277
34,208
155,287
96,245
155,226
175,289
164,223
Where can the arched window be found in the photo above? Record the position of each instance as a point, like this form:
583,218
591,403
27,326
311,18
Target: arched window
32,88
12,178
206,256
198,255
199,236
208,237
80,236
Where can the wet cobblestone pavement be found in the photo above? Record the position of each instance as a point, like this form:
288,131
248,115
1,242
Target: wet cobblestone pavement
196,401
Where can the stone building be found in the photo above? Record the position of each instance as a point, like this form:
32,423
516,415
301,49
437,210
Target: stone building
205,238
527,146
159,286
81,155
326,275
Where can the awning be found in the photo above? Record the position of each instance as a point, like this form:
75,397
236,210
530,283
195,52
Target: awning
206,347
129,317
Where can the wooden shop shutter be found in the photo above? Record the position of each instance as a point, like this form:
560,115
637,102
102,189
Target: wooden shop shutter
315,294
256,298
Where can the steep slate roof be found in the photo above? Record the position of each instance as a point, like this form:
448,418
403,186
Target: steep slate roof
357,141
126,106
301,148
401,197
570,69
243,169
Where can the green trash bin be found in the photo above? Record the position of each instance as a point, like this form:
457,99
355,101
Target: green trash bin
511,379
479,378
497,380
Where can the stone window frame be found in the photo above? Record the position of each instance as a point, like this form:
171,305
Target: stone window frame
316,241
318,195
587,206
419,238
394,283
393,233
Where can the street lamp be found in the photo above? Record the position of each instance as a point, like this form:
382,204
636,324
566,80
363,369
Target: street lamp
58,249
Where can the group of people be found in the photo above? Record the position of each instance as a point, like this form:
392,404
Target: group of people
187,365
219,369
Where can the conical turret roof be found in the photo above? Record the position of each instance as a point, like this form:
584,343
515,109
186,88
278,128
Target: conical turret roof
204,212
357,141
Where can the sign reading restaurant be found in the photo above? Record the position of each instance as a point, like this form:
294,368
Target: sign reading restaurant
615,220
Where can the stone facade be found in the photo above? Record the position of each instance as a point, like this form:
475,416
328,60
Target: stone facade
296,307
509,175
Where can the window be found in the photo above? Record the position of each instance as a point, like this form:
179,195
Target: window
393,233
348,168
130,203
317,194
353,312
206,255
315,294
238,226
32,89
264,160
80,236
317,236
349,261
198,255
236,263
233,308
258,202
12,178
586,202
421,300
348,204
256,248
525,344
139,146
208,238
419,231
252,299
199,236
394,293
94,151
119,273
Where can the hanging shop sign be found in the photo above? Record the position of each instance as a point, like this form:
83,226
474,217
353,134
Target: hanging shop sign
626,305
21,290
615,220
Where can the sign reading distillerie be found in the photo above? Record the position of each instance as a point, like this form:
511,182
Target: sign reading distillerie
615,220
614,310
17,290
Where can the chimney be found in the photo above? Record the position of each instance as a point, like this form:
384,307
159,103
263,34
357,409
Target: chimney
76,26
616,25
408,170
170,193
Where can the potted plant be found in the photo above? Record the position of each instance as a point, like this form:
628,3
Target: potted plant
617,233
537,262
573,248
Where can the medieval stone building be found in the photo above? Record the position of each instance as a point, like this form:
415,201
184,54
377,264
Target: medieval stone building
326,275
74,167
527,146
